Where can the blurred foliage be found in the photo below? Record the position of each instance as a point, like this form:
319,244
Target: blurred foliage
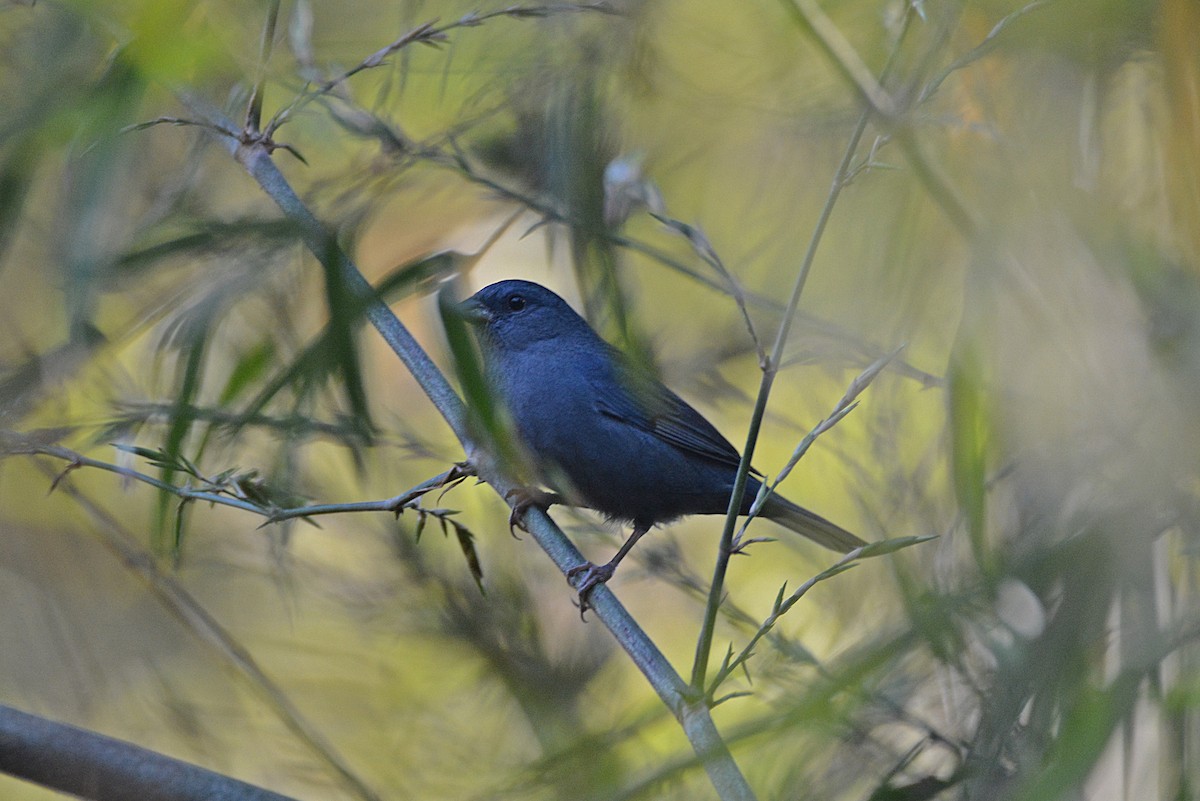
1027,222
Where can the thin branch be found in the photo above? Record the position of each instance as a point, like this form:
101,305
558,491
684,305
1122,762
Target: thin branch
427,33
980,50
227,490
808,15
689,709
778,610
77,460
725,551
708,254
86,764
205,627
846,404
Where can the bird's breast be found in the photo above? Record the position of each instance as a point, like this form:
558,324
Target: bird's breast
608,462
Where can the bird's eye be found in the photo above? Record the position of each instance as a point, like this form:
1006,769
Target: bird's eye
516,302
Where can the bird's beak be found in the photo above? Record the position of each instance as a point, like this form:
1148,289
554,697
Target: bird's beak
474,312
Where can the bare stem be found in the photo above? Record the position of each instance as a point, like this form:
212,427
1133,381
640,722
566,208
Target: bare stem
725,551
427,33
87,764
708,254
689,709
780,608
846,404
224,493
208,630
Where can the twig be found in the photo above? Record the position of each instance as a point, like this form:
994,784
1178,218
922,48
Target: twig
778,610
980,50
782,606
725,551
808,15
206,628
225,490
688,709
86,764
708,254
427,33
846,61
846,404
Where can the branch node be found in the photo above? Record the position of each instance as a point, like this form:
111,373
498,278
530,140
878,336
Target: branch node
72,466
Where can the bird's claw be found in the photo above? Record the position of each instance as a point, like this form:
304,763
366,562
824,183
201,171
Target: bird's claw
522,500
589,577
516,520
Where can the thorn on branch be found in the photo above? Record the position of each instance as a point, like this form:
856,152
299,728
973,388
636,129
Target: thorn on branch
251,138
457,475
74,465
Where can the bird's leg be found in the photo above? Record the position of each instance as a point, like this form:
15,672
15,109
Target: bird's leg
591,575
524,498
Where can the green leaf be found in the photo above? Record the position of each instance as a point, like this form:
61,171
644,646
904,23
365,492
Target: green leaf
970,437
407,278
345,314
149,454
487,417
330,350
182,418
249,368
832,571
197,239
177,530
885,547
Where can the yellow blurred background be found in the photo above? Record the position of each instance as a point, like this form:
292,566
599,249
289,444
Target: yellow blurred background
1024,219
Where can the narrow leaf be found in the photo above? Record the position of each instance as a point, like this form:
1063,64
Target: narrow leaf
891,546
466,541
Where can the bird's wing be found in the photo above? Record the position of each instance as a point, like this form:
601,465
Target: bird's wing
647,404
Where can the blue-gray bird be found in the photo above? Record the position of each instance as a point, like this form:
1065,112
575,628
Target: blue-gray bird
604,434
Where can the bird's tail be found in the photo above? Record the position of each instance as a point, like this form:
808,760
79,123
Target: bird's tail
808,524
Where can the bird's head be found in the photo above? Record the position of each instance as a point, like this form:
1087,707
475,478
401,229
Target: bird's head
512,315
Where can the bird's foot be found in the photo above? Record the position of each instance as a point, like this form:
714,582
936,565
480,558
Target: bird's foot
522,500
585,578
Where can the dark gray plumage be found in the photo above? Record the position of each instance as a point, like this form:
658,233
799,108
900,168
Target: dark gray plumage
605,435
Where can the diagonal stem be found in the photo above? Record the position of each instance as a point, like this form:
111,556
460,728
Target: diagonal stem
770,370
688,708
124,545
